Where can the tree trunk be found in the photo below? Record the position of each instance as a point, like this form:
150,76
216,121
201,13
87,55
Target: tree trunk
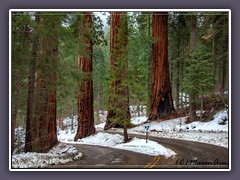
192,95
43,126
201,111
118,110
85,93
98,104
31,87
149,68
178,62
161,100
125,134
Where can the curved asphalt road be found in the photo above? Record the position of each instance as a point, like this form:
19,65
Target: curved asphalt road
190,155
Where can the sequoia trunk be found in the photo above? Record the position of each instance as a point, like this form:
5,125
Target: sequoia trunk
85,93
161,99
42,126
31,88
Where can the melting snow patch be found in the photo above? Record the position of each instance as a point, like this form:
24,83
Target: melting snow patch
60,154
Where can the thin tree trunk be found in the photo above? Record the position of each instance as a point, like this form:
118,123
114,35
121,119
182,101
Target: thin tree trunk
98,101
161,99
85,93
125,133
201,111
138,108
192,95
72,118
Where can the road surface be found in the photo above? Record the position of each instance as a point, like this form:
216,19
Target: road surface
190,155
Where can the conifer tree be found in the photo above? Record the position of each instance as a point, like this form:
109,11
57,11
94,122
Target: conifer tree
118,111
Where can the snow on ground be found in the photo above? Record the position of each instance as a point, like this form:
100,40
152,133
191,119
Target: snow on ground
179,124
218,139
116,141
102,139
211,132
150,148
100,126
211,126
60,154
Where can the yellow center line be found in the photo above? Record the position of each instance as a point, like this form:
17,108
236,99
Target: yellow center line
153,163
149,164
158,158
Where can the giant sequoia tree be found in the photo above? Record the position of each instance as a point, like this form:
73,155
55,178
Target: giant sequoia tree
31,87
85,93
41,131
118,113
161,99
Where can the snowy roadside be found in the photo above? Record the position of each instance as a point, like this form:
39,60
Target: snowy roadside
116,141
213,132
60,154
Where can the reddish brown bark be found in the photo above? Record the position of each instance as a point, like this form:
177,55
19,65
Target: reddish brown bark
42,127
31,87
85,93
161,99
118,113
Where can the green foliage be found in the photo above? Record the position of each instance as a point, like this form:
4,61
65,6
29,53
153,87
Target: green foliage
199,76
139,55
202,71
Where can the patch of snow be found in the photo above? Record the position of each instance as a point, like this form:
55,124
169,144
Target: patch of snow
102,139
66,136
167,125
135,145
150,148
60,154
211,126
100,126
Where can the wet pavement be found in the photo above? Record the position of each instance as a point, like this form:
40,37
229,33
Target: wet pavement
190,155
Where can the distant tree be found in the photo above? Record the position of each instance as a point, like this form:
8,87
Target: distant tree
161,99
